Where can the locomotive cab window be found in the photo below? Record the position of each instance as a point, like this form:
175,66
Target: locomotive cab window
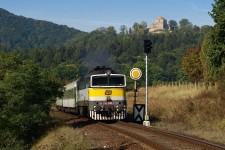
99,81
116,80
104,80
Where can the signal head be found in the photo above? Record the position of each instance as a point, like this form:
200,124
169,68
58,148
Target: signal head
147,46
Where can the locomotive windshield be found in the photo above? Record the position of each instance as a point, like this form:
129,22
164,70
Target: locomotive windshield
112,80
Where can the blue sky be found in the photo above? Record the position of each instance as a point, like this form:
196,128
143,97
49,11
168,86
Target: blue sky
88,15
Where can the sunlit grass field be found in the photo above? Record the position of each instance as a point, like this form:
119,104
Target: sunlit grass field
63,137
188,109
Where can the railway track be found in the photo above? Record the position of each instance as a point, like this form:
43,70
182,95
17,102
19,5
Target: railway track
150,137
161,140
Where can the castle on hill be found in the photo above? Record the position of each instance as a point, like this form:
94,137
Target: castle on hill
160,24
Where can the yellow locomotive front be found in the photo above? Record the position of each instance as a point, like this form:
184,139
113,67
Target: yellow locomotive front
106,96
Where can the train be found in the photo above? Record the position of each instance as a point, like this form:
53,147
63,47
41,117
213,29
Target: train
100,95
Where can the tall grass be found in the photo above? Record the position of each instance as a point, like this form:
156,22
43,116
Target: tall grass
185,109
62,138
163,97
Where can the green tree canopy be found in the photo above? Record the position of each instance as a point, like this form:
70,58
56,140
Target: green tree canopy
27,94
173,25
192,64
184,23
213,47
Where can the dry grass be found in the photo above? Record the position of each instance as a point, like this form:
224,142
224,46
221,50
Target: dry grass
62,138
214,134
162,100
185,109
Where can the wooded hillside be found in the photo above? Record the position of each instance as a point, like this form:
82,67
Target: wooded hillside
69,54
20,32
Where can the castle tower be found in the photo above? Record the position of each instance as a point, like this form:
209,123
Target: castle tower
158,25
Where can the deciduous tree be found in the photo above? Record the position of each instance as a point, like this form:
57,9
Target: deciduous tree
27,94
192,65
213,48
173,25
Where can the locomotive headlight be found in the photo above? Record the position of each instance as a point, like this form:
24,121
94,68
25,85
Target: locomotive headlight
97,108
108,72
120,107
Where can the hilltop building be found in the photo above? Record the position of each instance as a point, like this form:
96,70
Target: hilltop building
160,24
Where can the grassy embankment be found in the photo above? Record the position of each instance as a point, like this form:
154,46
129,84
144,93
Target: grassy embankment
61,138
181,109
185,109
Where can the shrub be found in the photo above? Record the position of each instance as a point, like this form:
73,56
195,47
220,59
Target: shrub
26,97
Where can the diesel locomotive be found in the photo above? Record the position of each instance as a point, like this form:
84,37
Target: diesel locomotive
100,95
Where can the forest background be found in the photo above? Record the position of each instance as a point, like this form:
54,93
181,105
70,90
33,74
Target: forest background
68,53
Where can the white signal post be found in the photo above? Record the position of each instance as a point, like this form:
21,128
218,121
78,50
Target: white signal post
146,122
147,49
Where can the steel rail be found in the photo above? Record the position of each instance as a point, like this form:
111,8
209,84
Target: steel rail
197,141
137,137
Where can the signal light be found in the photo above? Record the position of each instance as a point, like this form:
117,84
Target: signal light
147,46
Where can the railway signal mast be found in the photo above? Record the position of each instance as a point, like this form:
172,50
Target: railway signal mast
147,49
